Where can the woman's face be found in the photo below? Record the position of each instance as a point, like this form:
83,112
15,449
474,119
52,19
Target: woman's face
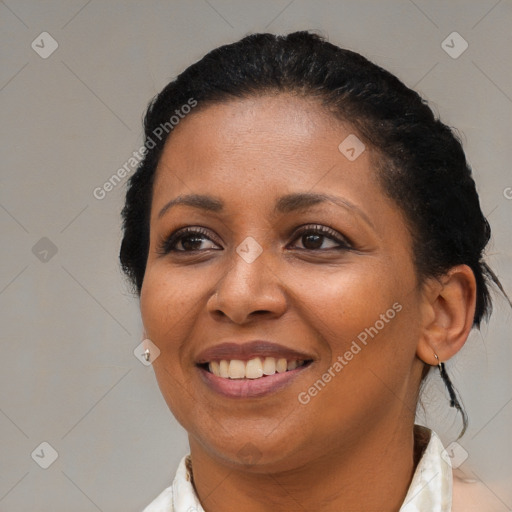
295,254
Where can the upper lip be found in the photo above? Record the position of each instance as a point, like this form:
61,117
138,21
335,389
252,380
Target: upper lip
249,350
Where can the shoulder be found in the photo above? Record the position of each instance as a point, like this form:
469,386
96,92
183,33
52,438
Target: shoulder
470,495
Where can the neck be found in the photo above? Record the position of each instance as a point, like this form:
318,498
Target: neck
372,475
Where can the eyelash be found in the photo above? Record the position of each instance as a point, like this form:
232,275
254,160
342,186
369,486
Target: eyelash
168,244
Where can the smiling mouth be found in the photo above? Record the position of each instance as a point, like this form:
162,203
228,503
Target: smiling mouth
256,368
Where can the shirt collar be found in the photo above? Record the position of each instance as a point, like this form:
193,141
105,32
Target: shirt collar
430,488
431,485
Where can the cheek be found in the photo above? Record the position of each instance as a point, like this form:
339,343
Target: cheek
366,316
342,303
167,299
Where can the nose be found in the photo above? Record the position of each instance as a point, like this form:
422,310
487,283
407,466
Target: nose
249,290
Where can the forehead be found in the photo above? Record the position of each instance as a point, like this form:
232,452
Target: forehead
281,142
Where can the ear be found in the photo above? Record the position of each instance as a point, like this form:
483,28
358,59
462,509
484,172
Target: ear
448,310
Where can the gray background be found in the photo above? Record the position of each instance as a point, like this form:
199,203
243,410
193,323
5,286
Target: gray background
68,374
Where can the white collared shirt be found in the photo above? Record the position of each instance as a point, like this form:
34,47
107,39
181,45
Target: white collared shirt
430,489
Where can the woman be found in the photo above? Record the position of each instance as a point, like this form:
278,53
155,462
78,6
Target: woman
306,241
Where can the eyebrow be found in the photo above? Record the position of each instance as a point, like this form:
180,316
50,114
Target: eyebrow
285,204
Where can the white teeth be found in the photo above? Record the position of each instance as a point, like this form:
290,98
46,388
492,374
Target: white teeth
281,365
224,369
214,367
252,369
292,365
236,369
269,366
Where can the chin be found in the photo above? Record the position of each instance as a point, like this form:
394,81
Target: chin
255,453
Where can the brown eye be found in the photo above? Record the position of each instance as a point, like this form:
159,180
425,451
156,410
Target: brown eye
314,237
186,240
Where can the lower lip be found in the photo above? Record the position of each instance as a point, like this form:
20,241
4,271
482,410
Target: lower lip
250,388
